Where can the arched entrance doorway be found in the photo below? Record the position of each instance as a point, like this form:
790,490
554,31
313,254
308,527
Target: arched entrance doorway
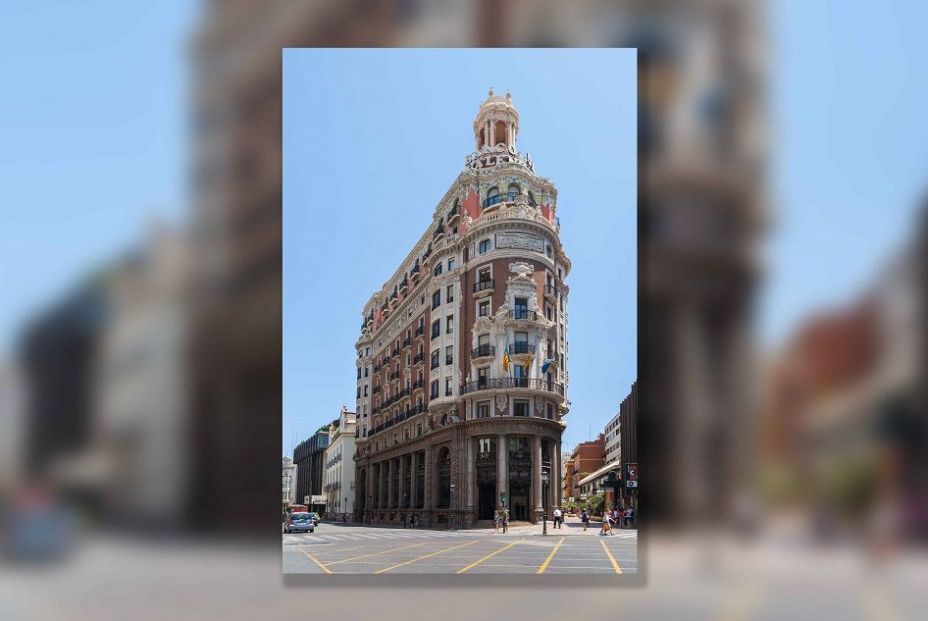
444,478
486,478
520,478
361,500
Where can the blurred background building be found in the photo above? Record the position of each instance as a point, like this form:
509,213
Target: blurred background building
309,457
288,482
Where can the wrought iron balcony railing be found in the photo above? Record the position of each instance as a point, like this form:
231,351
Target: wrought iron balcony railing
483,350
521,348
503,383
483,285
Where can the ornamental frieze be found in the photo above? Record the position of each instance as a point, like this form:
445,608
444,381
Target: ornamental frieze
521,241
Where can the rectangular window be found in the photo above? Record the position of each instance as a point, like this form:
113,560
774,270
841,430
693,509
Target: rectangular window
520,407
433,389
365,390
437,269
365,371
483,410
520,310
483,339
450,264
436,299
449,294
483,310
449,328
520,374
484,246
448,391
359,372
359,393
449,354
436,328
484,274
549,312
482,375
435,359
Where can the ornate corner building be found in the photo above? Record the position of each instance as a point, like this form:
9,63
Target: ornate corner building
462,358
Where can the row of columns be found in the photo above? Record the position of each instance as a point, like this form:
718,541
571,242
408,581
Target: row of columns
489,133
384,496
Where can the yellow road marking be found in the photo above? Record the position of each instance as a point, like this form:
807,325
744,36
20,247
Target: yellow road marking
313,559
615,565
488,556
544,565
469,543
345,560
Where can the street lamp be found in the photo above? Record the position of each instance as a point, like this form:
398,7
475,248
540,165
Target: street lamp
544,508
452,506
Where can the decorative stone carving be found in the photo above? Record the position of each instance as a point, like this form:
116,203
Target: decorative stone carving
501,404
520,269
521,241
503,311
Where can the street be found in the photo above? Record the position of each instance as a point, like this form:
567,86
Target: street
360,549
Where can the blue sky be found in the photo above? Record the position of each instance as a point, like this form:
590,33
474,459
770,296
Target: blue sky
93,141
373,140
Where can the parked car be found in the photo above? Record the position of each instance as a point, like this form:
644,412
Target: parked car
300,523
315,517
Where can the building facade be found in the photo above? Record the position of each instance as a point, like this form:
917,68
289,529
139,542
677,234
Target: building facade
288,482
338,484
628,425
586,458
309,457
462,358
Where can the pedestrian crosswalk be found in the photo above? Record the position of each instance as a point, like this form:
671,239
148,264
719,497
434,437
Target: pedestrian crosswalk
334,536
317,537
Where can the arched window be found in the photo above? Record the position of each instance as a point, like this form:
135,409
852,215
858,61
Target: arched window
501,137
483,139
513,191
493,196
444,478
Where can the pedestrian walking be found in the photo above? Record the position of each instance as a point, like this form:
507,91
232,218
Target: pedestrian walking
505,520
557,517
585,518
496,519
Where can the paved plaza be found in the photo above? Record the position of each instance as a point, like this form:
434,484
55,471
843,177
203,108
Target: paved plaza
357,549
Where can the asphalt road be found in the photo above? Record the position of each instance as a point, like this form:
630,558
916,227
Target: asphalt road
353,549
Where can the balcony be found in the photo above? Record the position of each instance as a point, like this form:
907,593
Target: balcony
375,390
407,342
483,287
417,359
416,385
551,292
384,361
506,383
521,348
523,314
499,198
395,352
394,376
483,351
420,330
453,214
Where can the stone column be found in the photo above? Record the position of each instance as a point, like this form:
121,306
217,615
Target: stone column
389,483
492,132
402,491
471,473
413,465
558,494
536,476
502,468
429,495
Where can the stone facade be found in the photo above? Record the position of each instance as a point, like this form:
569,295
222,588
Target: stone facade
462,358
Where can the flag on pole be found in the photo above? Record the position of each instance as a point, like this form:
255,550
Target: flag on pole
545,365
528,361
506,359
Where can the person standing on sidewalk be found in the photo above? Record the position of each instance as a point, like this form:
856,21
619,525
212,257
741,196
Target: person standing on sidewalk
505,520
585,518
557,517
